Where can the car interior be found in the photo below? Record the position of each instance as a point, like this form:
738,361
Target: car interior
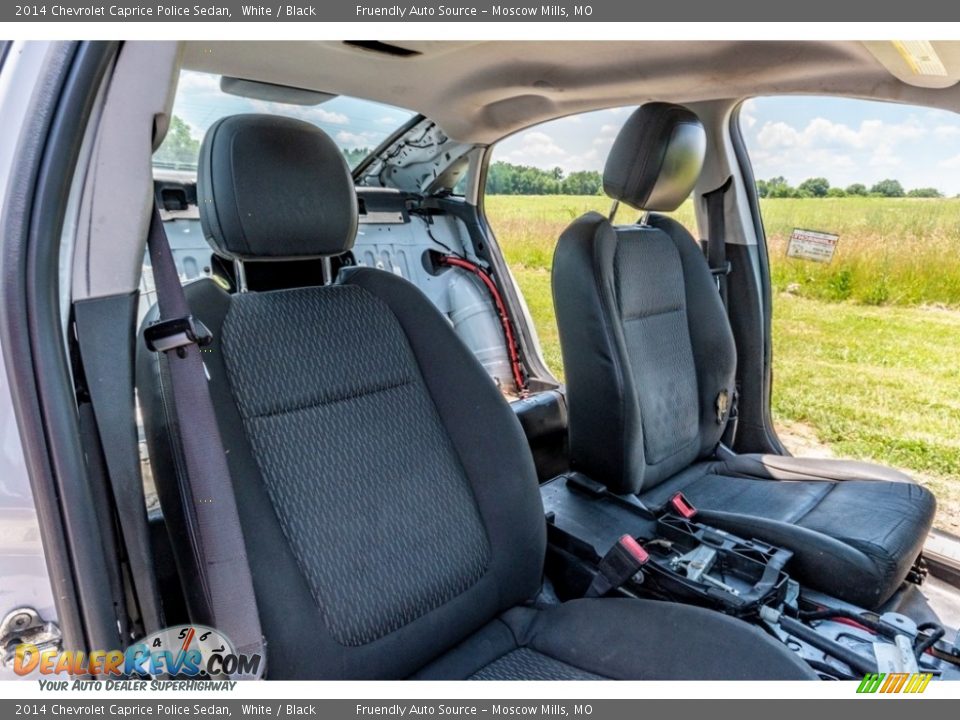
313,412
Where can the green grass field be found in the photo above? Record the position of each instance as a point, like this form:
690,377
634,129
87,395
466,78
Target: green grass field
866,349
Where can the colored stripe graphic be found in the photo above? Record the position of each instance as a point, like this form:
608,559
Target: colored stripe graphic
913,683
870,683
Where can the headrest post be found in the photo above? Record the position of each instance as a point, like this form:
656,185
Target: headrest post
241,272
613,210
327,266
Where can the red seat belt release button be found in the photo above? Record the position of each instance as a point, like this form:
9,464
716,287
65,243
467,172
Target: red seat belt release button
634,549
620,564
682,507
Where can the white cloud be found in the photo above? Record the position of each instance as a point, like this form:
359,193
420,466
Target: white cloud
947,131
315,115
777,135
605,137
885,157
536,144
541,149
860,143
326,116
809,162
823,146
747,113
345,137
198,81
822,132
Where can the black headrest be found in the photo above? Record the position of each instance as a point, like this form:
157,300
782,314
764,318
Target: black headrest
656,159
273,187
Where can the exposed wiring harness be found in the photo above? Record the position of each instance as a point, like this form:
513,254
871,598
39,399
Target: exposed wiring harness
846,617
516,367
923,644
455,259
928,635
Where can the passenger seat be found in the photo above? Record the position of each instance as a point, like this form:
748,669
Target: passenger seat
387,497
650,362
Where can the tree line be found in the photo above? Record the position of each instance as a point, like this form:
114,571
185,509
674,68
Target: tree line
819,187
504,178
180,149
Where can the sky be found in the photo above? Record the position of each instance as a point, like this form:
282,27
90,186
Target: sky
847,141
844,140
352,123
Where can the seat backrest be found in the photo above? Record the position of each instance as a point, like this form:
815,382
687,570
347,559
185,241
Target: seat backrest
648,353
387,496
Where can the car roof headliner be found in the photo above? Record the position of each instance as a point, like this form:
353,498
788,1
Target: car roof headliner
479,92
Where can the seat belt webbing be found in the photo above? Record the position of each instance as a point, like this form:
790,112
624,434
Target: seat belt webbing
107,420
208,491
717,236
720,269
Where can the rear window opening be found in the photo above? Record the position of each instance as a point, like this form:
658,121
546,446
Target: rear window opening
357,126
400,232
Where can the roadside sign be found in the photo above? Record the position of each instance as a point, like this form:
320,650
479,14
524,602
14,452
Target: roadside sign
812,245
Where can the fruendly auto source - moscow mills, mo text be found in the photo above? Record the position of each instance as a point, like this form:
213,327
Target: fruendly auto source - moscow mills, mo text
400,12
292,10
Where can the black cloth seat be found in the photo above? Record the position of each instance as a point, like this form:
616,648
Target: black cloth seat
856,528
650,366
388,499
618,639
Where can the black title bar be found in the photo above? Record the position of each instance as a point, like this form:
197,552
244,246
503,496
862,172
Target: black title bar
479,11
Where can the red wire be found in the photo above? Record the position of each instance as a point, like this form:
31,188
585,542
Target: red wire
854,623
851,623
484,276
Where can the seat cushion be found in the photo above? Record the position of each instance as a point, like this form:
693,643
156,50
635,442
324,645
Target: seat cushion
620,639
855,528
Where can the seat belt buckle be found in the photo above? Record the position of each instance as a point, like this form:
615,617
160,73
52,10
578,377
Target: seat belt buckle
176,333
682,507
624,561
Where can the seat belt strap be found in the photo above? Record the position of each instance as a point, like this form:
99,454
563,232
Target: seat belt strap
720,269
110,395
206,486
717,236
